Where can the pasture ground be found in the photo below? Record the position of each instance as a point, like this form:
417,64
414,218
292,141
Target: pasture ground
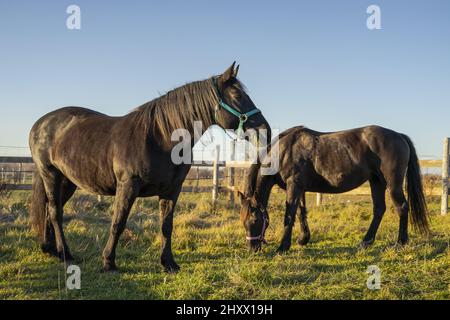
209,245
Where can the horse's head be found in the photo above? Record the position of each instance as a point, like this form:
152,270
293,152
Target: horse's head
235,109
255,218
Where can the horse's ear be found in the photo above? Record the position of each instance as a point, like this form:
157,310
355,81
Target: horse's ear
236,71
230,73
241,196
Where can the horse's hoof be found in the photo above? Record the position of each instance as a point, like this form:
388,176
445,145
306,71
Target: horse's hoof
365,244
109,267
65,256
173,268
303,241
402,242
399,245
170,266
282,250
49,249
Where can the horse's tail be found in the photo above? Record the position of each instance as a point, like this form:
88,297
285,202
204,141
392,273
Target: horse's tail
38,209
416,197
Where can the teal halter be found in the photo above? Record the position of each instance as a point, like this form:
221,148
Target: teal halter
243,117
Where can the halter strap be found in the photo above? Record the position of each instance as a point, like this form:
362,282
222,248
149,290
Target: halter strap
243,117
261,237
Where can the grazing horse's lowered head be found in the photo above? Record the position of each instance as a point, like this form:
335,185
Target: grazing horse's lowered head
255,219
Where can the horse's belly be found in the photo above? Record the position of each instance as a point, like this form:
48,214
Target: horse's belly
327,188
93,178
93,184
338,182
166,184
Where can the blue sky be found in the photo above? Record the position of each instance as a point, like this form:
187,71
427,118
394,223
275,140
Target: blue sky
304,62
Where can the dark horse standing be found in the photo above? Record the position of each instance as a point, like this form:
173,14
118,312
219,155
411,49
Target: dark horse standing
335,163
127,156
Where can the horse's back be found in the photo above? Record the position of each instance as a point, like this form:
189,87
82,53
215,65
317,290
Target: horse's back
57,119
52,127
340,161
357,143
383,140
64,113
373,137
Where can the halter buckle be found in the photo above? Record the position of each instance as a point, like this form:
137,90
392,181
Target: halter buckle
243,118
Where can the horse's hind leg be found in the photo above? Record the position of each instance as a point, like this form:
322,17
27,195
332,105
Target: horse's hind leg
49,244
401,205
378,189
305,234
53,180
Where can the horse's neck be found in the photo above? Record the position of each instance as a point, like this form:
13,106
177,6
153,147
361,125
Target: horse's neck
148,131
264,185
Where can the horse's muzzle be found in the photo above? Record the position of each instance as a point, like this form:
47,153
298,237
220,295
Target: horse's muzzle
254,245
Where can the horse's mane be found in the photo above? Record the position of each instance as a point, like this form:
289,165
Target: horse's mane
180,107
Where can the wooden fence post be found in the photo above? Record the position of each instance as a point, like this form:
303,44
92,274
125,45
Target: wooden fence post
231,172
215,190
197,182
445,173
319,199
20,175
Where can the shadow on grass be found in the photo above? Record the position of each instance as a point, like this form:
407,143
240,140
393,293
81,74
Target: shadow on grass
27,271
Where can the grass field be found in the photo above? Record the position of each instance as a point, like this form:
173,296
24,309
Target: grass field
209,245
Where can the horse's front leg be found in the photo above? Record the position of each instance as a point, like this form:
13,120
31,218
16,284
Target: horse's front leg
292,199
125,195
166,208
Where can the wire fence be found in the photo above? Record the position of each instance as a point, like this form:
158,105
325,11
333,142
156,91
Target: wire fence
16,173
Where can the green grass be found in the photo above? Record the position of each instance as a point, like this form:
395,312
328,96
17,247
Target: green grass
210,248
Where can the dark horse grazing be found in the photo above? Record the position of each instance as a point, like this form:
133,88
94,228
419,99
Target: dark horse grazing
127,156
335,163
